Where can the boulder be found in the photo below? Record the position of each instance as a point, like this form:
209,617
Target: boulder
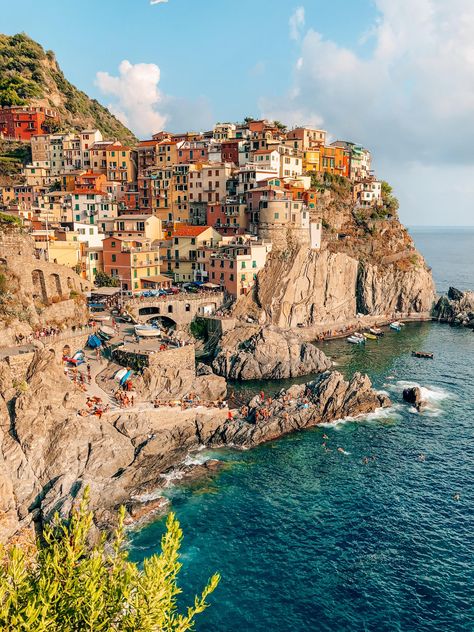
457,308
269,353
412,395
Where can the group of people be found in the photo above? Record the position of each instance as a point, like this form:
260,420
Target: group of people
189,401
124,398
79,377
94,406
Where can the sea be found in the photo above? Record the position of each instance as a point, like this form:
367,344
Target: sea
378,538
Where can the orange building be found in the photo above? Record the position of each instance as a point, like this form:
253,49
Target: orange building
335,160
131,260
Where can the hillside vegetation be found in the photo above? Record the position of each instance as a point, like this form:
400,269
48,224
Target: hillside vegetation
29,75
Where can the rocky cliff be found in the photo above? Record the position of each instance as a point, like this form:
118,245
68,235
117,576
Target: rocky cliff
48,452
367,265
254,353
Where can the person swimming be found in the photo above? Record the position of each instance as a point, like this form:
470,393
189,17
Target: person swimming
325,437
457,496
421,457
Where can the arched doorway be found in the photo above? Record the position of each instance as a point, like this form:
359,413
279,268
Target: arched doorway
55,283
39,286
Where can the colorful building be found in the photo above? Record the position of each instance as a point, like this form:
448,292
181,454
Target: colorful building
131,260
21,123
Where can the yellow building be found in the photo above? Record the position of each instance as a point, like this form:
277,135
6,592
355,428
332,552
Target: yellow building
181,250
121,163
312,161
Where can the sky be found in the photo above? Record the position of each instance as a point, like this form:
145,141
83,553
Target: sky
396,76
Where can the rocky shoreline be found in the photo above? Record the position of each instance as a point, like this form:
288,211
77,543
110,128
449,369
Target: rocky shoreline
49,452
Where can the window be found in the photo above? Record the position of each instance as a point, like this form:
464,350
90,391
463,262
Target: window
277,215
113,244
176,241
135,272
170,309
193,241
114,258
187,307
243,265
242,277
254,264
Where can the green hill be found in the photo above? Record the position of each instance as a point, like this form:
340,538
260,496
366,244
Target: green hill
30,75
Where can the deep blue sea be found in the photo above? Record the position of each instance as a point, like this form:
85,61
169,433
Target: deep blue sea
311,540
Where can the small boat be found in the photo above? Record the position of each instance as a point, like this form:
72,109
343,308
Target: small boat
395,326
422,354
370,336
108,331
376,331
147,331
355,340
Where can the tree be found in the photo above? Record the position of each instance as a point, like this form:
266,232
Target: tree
66,586
281,126
248,119
104,280
389,200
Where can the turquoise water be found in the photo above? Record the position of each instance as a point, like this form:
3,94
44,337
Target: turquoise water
311,540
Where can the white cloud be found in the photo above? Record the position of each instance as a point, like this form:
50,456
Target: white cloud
158,1
136,96
410,99
137,101
296,23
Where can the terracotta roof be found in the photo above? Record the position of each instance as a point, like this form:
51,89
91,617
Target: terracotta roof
189,231
147,143
265,151
117,148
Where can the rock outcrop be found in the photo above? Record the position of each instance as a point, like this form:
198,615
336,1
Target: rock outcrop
412,395
49,452
174,383
253,353
457,308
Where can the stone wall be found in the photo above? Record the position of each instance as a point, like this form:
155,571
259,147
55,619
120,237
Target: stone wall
19,362
284,238
180,358
44,281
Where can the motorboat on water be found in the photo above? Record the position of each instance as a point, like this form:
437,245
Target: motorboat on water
422,354
356,339
100,318
396,326
376,331
147,331
369,336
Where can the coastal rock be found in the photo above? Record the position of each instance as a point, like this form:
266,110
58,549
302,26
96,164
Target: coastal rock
324,400
175,383
49,453
412,395
457,308
250,353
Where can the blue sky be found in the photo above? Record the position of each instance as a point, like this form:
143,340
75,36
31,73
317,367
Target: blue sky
394,75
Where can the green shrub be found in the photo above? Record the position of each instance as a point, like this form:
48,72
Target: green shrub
66,585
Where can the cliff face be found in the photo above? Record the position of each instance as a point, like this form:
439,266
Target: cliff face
366,266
